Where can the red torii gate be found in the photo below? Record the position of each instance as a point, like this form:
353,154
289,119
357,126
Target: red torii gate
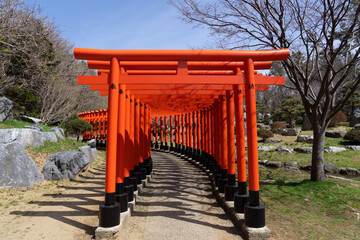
155,75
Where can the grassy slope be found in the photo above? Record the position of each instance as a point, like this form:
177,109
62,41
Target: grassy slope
300,209
20,124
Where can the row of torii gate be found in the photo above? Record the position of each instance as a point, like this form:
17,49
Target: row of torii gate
199,93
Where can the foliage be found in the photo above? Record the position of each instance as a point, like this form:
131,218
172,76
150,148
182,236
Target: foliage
278,125
338,118
291,109
353,136
77,127
54,147
38,71
264,133
261,108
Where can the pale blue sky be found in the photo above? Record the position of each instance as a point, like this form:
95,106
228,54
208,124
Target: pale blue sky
123,24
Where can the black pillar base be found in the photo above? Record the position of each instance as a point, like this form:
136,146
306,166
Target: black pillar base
130,192
221,185
230,191
122,199
143,173
133,182
217,177
109,215
156,146
254,215
240,201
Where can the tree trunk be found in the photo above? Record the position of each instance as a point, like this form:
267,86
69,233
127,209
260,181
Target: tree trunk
77,138
317,164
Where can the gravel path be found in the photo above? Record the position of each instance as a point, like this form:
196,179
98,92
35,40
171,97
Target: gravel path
178,204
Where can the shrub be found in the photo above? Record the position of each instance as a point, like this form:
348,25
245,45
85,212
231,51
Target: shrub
77,127
276,127
264,133
353,136
338,118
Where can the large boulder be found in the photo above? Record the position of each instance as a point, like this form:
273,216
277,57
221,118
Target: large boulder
335,134
60,133
17,169
34,127
5,108
330,168
290,132
305,138
272,140
88,151
266,148
350,171
353,147
273,164
334,149
303,149
27,137
36,121
356,126
92,143
290,169
64,165
284,149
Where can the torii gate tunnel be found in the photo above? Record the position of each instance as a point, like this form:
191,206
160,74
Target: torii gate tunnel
198,94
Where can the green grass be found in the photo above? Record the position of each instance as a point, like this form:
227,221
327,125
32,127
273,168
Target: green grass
300,209
60,146
20,124
346,158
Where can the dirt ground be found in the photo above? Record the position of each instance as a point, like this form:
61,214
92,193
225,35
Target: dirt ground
174,206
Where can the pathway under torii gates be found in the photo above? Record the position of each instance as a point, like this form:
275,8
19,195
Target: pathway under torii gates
198,94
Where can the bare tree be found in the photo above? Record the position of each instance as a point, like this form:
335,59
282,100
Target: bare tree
323,37
37,67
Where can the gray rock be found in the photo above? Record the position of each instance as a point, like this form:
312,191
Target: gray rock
284,149
60,133
263,162
353,147
304,138
5,108
305,167
92,143
37,121
27,137
66,165
290,169
356,126
303,149
350,171
306,125
87,150
292,164
335,134
17,169
266,148
274,164
330,168
272,140
37,128
94,153
334,149
290,132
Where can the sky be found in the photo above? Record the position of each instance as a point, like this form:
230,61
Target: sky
123,24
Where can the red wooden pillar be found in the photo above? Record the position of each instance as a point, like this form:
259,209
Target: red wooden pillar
161,133
241,197
121,195
132,135
190,135
171,134
166,134
176,132
156,133
223,141
142,149
187,119
197,136
231,187
182,133
254,211
137,141
109,212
